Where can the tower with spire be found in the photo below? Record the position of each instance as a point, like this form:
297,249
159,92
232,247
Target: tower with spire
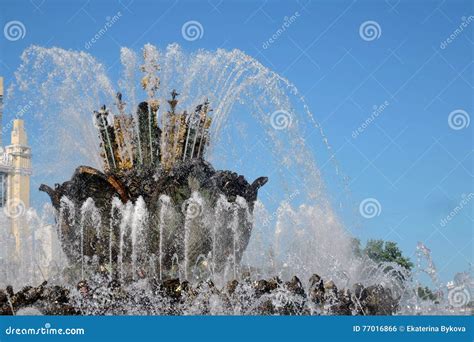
15,172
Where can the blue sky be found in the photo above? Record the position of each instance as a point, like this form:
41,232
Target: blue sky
409,158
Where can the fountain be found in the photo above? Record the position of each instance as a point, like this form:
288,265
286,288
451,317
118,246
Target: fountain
155,196
147,225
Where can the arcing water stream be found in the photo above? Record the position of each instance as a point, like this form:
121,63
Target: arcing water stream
260,125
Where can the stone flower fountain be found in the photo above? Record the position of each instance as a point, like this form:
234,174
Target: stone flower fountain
158,230
158,207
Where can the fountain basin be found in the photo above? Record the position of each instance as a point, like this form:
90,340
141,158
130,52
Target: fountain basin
149,220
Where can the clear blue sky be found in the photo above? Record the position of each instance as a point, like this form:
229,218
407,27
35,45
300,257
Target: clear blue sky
408,158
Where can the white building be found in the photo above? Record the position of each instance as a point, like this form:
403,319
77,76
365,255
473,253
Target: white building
15,172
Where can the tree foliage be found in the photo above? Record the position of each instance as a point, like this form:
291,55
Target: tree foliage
382,251
424,293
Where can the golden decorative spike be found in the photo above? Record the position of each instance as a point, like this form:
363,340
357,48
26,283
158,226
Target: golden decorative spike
182,136
123,126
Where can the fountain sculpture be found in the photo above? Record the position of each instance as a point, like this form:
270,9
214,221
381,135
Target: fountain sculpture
158,230
148,206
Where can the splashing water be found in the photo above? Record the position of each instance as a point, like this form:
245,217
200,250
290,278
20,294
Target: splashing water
65,87
261,125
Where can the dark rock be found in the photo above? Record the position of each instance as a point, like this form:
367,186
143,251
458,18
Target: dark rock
231,286
3,297
295,286
264,287
330,292
344,305
378,300
172,288
263,297
316,289
9,291
266,307
83,288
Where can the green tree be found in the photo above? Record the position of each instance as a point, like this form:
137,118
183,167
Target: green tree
381,251
424,293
